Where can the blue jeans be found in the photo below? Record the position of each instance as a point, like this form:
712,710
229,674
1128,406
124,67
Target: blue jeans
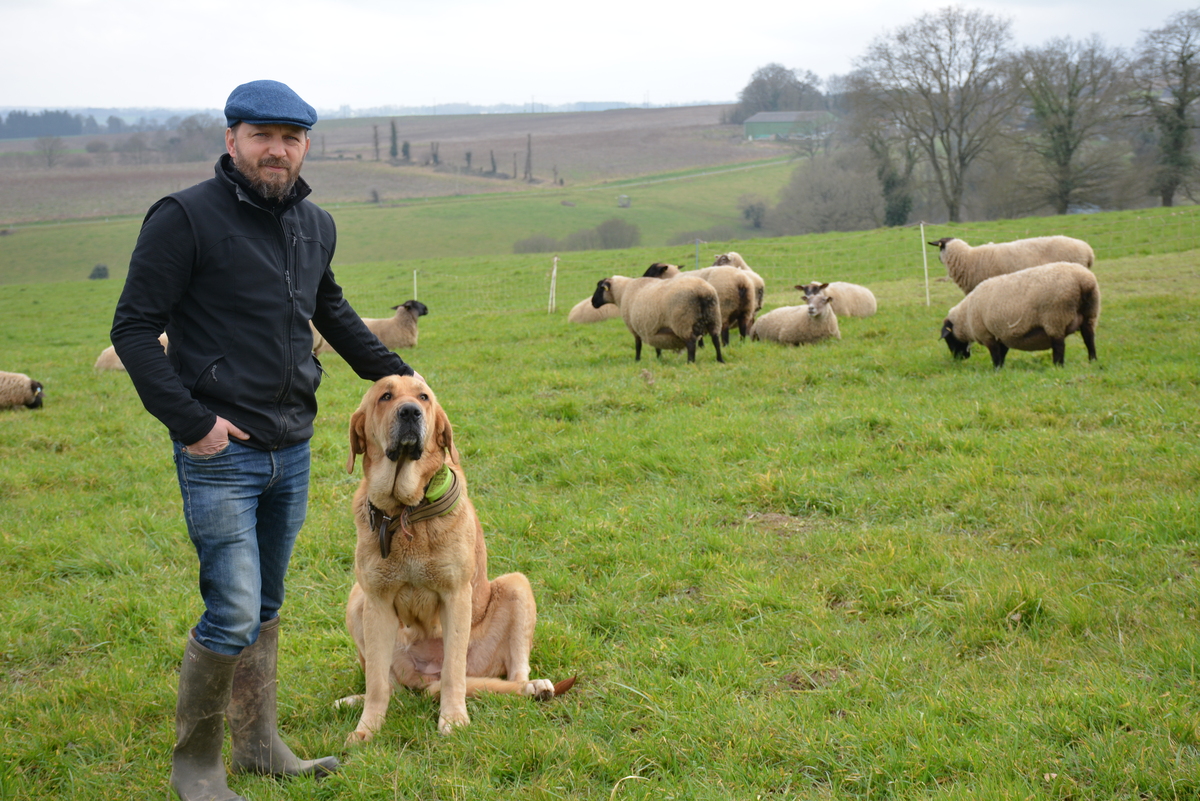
244,508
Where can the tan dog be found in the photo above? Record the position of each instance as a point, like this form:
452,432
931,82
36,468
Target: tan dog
422,611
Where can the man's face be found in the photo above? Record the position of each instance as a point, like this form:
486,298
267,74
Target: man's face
268,155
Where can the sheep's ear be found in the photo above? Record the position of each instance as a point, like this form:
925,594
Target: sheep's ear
358,438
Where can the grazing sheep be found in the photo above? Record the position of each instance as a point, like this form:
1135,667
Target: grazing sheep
847,300
734,259
1034,309
18,389
109,360
968,266
735,291
397,331
669,315
798,325
585,312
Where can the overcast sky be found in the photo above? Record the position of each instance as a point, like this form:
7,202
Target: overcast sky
371,53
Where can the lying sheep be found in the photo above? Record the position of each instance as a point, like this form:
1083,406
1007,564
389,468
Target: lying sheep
1034,309
18,389
735,291
968,266
667,315
798,325
397,331
585,312
847,300
734,259
109,360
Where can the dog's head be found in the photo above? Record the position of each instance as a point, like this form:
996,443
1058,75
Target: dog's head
400,420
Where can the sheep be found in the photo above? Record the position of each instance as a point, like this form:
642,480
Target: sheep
735,291
668,315
798,325
109,360
585,312
734,259
968,265
848,300
397,331
18,389
1033,309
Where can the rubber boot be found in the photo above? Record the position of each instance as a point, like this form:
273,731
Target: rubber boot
253,720
205,681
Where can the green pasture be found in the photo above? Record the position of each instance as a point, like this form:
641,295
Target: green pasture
442,227
855,570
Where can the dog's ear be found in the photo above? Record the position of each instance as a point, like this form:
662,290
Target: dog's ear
445,435
358,438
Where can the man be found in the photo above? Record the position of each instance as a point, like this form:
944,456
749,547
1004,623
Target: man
233,269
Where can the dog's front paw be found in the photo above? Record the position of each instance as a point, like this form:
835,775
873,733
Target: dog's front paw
449,721
540,689
358,736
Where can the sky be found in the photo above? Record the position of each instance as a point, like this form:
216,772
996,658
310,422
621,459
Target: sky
375,53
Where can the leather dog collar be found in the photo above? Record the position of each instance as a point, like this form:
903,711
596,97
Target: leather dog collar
442,494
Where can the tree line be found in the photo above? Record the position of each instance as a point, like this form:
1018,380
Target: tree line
944,119
29,125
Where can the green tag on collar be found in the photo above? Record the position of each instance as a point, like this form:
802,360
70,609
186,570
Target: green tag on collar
438,485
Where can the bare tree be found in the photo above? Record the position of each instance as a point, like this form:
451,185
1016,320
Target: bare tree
941,81
1075,92
774,87
894,151
1167,71
375,133
51,149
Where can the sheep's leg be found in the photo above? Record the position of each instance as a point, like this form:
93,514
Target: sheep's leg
1058,347
998,350
1089,338
717,347
691,349
725,336
637,348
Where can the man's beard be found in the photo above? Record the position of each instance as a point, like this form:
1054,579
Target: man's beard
272,186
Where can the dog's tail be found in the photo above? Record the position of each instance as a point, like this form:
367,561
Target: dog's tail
477,685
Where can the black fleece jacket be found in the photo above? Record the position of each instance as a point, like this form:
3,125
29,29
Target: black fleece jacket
233,279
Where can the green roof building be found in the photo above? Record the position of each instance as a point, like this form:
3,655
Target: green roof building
787,124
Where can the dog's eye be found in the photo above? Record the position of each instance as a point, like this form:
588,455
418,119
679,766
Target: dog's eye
423,396
387,396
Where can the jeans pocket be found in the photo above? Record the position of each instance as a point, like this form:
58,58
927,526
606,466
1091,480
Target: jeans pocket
205,457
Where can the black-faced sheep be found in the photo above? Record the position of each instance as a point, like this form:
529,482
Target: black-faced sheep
397,331
109,360
667,315
18,389
735,291
1034,309
847,300
798,325
734,259
968,266
585,312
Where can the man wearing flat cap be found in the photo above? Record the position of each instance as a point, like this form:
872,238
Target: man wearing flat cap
232,269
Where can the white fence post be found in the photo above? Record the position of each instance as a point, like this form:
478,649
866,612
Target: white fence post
925,261
553,286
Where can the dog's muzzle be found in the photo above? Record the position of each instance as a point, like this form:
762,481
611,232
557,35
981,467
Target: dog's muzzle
407,440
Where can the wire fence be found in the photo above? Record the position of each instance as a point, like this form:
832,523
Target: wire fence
546,283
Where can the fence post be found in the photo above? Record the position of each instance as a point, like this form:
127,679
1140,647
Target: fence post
925,261
414,284
553,285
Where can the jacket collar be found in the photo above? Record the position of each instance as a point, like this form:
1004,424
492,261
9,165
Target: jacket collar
240,184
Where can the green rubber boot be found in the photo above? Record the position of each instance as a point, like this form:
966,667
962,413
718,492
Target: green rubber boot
205,681
253,720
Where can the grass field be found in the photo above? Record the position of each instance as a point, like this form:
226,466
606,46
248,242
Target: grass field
857,570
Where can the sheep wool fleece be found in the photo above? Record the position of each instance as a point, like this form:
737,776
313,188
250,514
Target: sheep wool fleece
233,280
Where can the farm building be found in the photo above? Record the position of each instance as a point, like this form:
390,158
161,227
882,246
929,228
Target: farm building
787,124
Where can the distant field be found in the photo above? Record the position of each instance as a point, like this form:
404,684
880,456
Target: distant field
432,227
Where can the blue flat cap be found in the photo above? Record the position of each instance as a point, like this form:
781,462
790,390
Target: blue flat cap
268,103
